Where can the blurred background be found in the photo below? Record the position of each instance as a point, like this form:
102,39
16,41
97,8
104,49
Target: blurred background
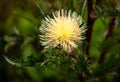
19,24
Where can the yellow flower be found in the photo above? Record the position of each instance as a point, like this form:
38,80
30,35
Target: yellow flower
64,30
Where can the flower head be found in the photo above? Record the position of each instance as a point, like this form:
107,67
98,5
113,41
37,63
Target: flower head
63,30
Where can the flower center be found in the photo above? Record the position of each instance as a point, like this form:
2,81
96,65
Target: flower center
64,32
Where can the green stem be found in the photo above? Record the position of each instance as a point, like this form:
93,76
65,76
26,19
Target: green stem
80,76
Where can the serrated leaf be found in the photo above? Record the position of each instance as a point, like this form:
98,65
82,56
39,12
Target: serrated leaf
12,62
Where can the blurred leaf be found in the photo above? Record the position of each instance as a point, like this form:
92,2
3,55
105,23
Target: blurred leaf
72,4
27,50
118,19
31,60
109,66
25,15
83,7
12,62
33,73
41,9
25,26
83,67
98,35
10,42
106,8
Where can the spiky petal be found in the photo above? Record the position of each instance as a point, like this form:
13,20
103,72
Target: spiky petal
62,30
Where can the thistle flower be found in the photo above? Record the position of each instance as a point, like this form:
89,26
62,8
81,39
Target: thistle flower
64,30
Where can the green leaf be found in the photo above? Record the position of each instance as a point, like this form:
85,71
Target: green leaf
98,35
83,7
41,9
72,4
10,42
12,62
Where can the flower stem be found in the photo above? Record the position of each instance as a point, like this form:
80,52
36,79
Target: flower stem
80,76
90,21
